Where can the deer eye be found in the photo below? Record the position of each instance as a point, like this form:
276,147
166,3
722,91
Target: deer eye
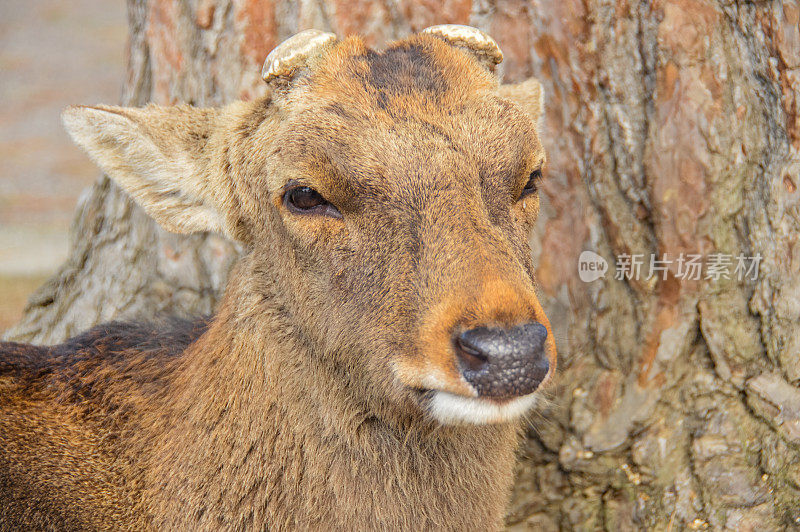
305,200
532,185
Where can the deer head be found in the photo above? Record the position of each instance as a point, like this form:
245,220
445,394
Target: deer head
388,195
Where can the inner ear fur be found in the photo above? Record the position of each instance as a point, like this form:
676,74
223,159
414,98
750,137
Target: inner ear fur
528,95
158,155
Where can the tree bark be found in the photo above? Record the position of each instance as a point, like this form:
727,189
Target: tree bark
672,127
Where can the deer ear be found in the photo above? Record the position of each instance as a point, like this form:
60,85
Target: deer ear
528,95
294,55
472,40
158,155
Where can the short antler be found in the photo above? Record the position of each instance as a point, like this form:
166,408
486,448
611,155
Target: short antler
294,53
472,40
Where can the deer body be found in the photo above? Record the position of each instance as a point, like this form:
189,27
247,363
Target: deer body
213,446
327,392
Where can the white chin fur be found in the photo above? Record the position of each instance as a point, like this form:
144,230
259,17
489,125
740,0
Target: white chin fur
451,409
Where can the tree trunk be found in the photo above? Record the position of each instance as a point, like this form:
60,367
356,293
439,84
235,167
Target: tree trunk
671,127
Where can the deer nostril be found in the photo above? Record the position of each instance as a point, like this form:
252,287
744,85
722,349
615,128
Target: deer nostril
471,357
503,362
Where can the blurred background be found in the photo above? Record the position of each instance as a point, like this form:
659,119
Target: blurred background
52,54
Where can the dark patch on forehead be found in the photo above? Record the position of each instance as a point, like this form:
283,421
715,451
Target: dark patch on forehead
339,110
198,138
226,160
405,69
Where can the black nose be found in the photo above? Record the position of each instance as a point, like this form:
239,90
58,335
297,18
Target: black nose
503,363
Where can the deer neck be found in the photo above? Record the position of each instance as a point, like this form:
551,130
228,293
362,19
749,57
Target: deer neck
272,440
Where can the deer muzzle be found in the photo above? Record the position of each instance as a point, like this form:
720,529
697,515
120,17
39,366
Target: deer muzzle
503,363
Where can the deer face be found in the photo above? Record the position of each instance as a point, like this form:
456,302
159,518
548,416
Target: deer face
390,196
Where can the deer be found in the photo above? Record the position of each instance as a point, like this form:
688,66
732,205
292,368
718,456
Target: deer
379,344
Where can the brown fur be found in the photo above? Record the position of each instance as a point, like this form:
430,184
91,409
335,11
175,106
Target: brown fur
302,403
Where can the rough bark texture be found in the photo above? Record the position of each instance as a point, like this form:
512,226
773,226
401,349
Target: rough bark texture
672,126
